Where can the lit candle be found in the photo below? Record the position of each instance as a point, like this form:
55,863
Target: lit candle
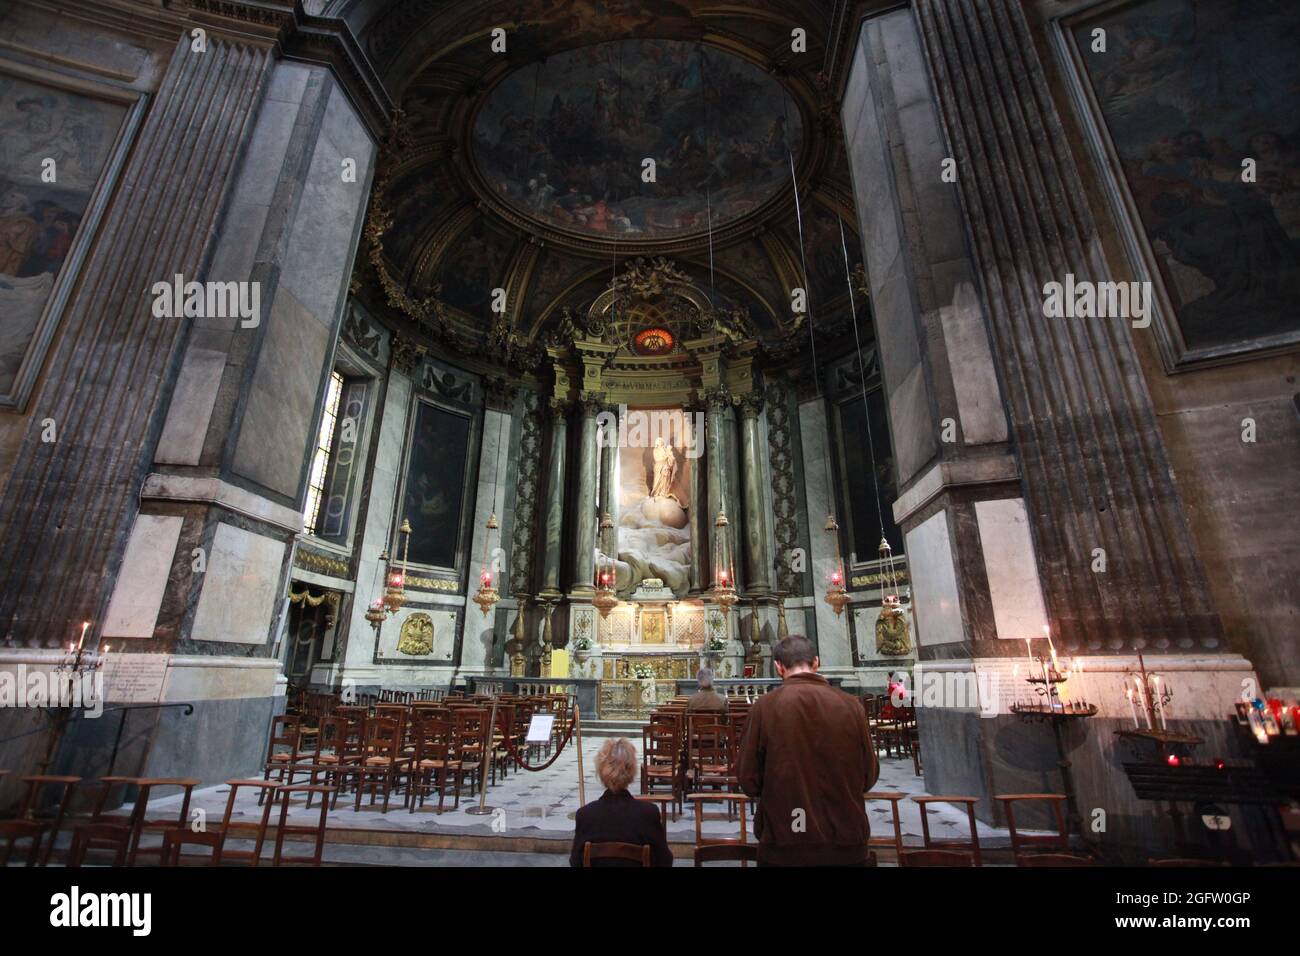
85,625
1159,701
1029,651
1047,633
1128,693
1142,701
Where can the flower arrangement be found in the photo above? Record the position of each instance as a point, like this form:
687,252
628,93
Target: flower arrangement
643,671
716,643
582,644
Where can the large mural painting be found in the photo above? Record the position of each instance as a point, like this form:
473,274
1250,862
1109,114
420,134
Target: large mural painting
1186,92
434,495
55,146
564,141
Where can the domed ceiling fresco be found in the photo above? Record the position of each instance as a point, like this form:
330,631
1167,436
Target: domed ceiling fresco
564,141
521,171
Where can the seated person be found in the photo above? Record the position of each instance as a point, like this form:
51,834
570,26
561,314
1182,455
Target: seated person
706,699
619,817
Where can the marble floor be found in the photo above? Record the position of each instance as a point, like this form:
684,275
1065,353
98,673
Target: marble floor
538,805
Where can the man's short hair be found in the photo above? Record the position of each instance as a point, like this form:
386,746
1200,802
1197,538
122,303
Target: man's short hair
705,677
794,651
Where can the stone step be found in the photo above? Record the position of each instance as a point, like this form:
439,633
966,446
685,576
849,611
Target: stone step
613,728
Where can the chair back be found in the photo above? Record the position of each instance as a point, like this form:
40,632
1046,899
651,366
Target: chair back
745,853
936,858
633,852
285,734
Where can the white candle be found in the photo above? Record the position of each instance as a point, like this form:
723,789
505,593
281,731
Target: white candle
1158,701
1029,652
85,625
1128,693
1142,701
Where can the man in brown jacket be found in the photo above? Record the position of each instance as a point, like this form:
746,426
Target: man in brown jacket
808,758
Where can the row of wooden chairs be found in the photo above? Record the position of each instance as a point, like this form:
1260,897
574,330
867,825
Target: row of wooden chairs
695,751
104,830
414,749
893,729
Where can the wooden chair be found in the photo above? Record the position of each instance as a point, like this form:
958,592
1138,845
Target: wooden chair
218,839
936,858
896,840
1185,861
746,853
30,825
175,840
1023,846
114,837
283,753
969,848
341,760
433,764
1054,859
469,738
661,763
283,828
381,762
139,815
715,751
732,800
665,804
634,852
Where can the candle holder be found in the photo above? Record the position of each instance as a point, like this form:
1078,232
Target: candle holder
77,664
1051,708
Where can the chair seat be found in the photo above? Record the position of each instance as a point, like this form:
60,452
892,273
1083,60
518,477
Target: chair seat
434,764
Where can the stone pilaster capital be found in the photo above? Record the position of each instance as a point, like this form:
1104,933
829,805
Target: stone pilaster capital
499,394
717,398
405,354
592,404
560,408
750,404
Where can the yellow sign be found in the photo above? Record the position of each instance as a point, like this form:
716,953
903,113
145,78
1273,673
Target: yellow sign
559,664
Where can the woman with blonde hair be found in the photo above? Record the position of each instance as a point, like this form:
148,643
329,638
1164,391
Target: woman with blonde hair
618,817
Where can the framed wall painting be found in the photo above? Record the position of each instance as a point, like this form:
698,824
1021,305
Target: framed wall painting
64,141
1182,95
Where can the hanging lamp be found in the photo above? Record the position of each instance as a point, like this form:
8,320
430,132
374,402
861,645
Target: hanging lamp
605,599
395,581
723,592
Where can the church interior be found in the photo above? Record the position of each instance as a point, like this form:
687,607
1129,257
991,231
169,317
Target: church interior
400,401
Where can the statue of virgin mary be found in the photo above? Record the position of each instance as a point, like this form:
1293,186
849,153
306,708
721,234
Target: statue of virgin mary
665,470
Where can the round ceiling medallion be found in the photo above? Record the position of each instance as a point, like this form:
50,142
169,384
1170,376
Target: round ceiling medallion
571,142
653,341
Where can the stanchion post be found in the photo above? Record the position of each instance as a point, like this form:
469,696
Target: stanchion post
486,756
577,729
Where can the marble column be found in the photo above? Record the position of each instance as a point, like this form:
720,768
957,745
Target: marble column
480,629
608,454
832,629
718,404
585,509
555,489
758,551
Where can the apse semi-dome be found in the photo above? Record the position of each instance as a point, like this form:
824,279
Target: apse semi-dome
564,141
